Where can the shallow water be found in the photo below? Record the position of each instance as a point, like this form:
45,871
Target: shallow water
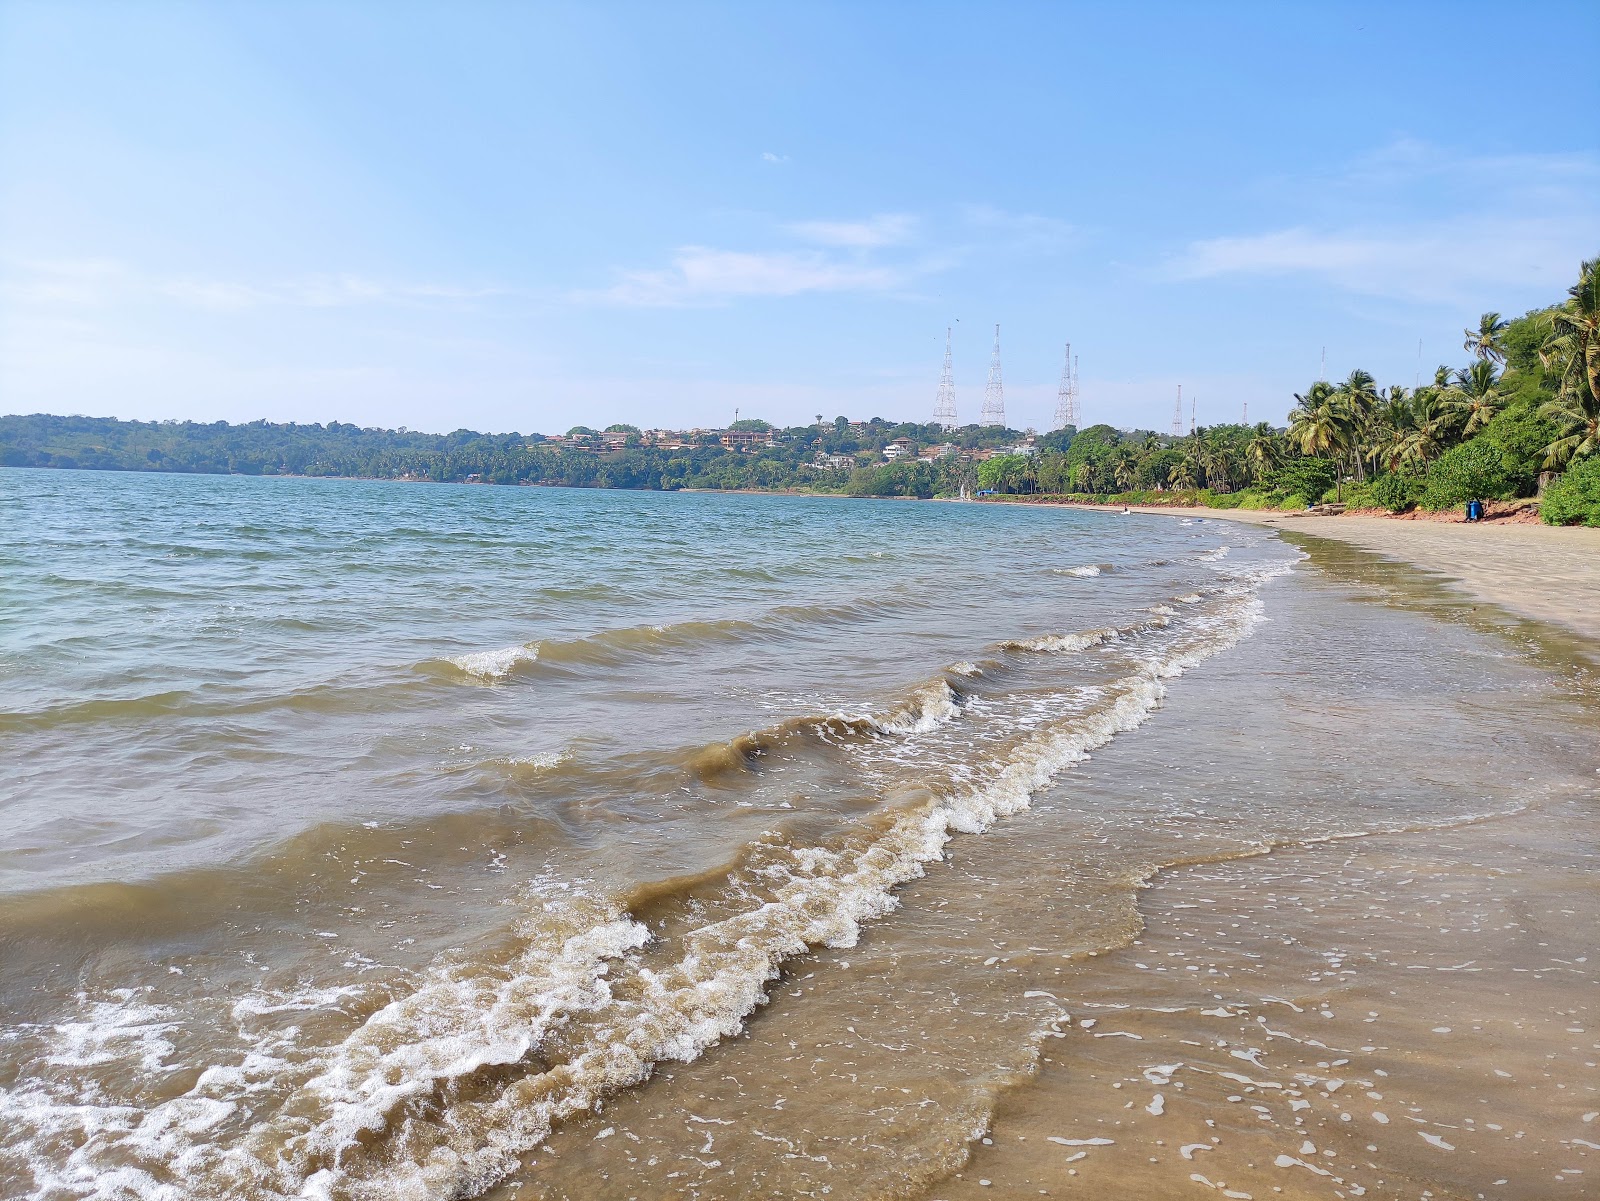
372,839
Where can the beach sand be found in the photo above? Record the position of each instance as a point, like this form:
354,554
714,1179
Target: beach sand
1549,573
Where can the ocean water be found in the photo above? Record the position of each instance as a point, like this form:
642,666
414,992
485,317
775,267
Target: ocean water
378,840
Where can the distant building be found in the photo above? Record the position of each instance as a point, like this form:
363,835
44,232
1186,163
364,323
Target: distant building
899,448
746,440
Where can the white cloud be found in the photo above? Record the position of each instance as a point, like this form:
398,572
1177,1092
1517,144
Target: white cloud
1445,261
768,157
887,229
1512,222
703,274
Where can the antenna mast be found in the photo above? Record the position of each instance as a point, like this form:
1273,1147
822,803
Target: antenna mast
994,395
1177,415
1067,394
944,408
1193,405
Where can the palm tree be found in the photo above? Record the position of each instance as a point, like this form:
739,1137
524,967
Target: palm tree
1487,340
1391,427
1183,473
1317,423
1125,469
1474,396
1358,399
1573,351
1263,452
1430,427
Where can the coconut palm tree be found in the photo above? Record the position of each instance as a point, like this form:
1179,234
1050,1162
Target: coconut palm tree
1474,396
1572,351
1263,452
1391,427
1317,424
1431,424
1125,469
1486,340
1577,415
1358,399
1183,474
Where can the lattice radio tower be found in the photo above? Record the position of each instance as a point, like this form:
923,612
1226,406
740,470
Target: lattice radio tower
994,393
1177,415
944,409
1067,394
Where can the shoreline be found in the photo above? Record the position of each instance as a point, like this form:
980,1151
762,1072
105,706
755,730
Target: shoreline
1542,572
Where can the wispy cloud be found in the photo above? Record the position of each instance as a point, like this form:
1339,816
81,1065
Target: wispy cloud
1517,222
886,229
1027,231
768,157
704,275
86,283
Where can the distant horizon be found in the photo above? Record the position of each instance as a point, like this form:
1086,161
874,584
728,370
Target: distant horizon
489,218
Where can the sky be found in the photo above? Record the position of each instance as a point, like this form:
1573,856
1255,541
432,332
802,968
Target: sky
523,216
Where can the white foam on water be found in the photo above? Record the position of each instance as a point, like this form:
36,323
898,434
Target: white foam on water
1056,644
496,664
123,1026
1087,571
929,707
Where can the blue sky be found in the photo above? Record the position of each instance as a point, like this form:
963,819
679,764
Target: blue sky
522,216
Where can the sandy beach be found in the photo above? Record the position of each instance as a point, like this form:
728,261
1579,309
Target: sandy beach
1548,573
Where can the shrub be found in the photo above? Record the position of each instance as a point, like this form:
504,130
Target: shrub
1396,491
1251,498
1302,477
1574,499
1522,434
1474,470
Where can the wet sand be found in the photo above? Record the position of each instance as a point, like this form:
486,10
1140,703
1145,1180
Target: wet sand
1549,573
1294,967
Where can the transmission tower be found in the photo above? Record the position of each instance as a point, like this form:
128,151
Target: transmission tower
944,409
994,393
1194,405
1067,394
1177,415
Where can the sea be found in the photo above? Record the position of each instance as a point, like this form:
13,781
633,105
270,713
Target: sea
364,839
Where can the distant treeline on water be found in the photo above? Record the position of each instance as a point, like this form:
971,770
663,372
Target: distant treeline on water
828,456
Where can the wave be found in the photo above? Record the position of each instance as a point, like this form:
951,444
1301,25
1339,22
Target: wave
1055,644
610,648
441,1090
495,665
1086,571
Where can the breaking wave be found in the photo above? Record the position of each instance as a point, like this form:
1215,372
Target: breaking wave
438,1091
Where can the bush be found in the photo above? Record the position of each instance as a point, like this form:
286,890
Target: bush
1522,435
1395,491
1474,470
1302,477
1252,498
1574,499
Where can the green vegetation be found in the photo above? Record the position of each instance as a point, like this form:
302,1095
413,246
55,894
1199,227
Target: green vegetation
1527,403
1574,499
621,457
